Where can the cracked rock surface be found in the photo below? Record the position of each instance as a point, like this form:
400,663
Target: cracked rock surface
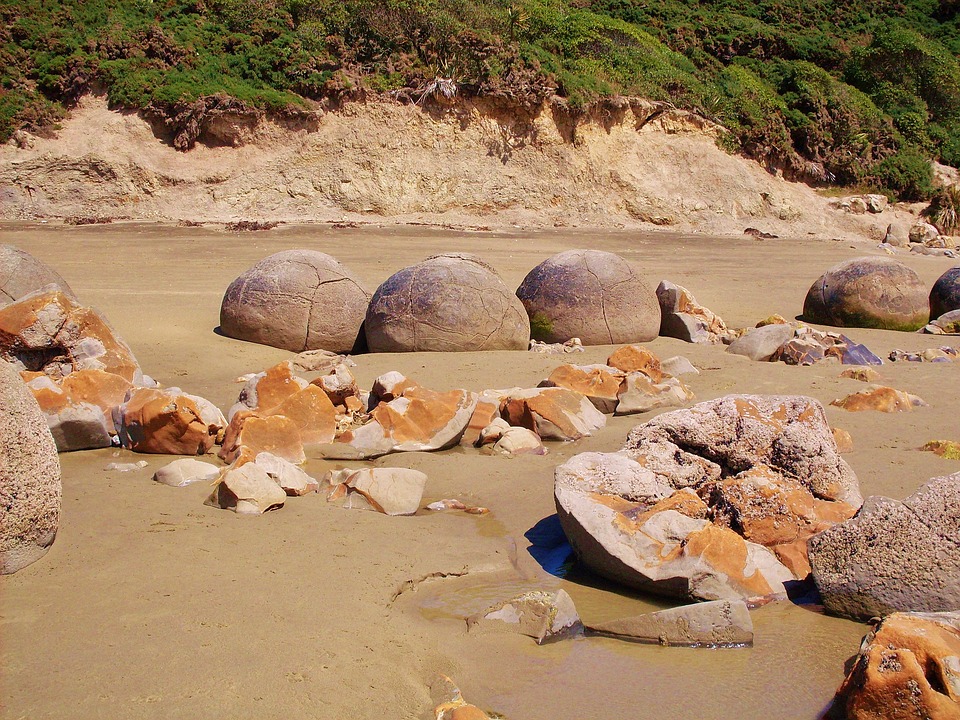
893,555
592,295
296,300
21,274
452,302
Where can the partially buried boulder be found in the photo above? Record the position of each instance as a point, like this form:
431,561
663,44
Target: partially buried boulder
881,399
295,300
872,292
448,303
908,668
718,623
945,295
592,295
30,486
49,332
21,274
762,343
713,502
893,555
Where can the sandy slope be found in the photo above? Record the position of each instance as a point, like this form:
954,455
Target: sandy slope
151,605
469,164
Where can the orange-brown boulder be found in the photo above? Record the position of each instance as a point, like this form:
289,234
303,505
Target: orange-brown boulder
598,383
50,332
167,422
276,434
312,412
552,413
486,411
881,399
636,358
908,668
269,388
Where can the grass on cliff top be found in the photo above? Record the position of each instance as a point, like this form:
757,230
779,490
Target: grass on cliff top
857,93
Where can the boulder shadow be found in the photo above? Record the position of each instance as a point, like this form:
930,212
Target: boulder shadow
549,546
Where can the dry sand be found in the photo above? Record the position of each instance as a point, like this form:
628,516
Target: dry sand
152,605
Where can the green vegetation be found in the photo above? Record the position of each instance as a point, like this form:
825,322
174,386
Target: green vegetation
853,93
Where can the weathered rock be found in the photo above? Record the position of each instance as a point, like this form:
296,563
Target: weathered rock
447,303
945,295
391,491
897,235
761,343
552,413
593,295
598,383
800,351
49,332
247,490
908,668
893,555
320,361
638,394
944,448
486,411
275,434
923,233
168,422
946,324
392,385
418,420
340,386
681,316
22,274
288,476
519,441
636,358
862,374
718,623
843,439
450,704
265,390
296,300
312,412
30,486
881,399
677,366
544,616
877,292
570,346
185,471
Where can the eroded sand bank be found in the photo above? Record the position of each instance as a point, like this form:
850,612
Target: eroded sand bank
152,605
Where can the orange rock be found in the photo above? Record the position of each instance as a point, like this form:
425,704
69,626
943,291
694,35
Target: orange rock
312,412
422,417
275,434
599,383
340,386
166,422
50,332
488,408
552,413
906,670
277,384
96,387
844,440
636,358
392,385
863,374
881,399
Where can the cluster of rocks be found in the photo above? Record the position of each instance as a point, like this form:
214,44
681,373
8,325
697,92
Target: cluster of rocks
861,204
944,353
682,317
716,501
921,237
777,340
447,303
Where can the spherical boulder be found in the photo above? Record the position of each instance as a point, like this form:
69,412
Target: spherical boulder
296,300
21,274
945,295
30,486
870,292
593,295
452,302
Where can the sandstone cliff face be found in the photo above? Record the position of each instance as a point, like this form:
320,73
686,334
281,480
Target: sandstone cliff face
627,162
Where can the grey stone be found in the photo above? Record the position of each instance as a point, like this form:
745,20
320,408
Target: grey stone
897,235
592,295
719,623
677,366
296,300
82,426
893,555
22,274
447,303
30,486
761,343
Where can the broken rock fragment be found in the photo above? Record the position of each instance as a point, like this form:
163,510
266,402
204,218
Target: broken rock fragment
544,616
247,490
167,421
718,623
186,471
391,491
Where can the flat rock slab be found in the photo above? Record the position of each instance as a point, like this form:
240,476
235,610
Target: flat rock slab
720,623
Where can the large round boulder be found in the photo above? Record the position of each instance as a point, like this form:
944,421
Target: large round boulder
21,274
296,300
592,295
945,295
871,292
452,302
29,476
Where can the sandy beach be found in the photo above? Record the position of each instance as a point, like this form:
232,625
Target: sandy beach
152,605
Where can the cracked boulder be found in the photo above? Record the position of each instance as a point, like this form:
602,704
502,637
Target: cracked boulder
713,502
893,555
870,292
552,413
448,303
30,486
682,317
945,295
49,332
908,667
418,419
79,406
21,274
167,422
544,616
296,300
624,393
592,295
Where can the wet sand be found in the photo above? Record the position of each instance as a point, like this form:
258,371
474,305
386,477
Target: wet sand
152,605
